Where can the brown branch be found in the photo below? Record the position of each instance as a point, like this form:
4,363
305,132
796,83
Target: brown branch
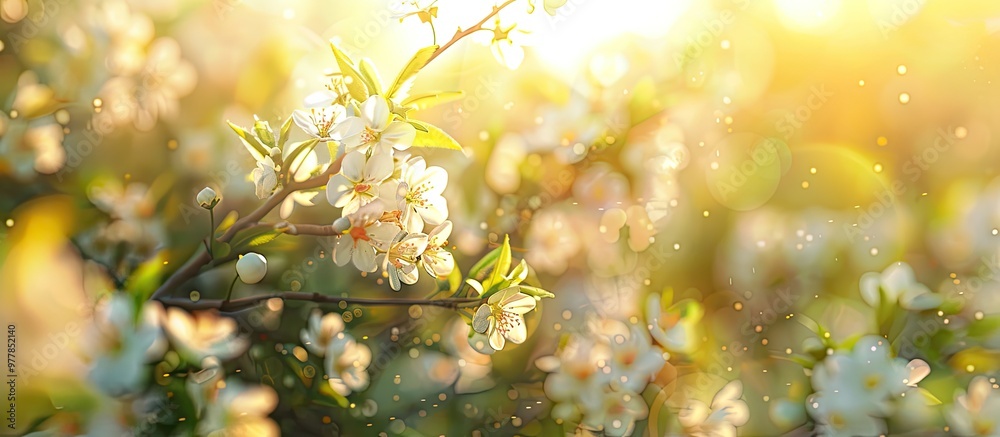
306,229
459,34
193,266
242,303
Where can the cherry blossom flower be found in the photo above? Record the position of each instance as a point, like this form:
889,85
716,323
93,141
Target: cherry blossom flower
401,259
419,195
321,331
436,259
362,237
502,317
358,182
375,129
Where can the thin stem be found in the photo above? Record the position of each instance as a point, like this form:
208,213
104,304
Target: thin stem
211,232
192,267
231,285
459,34
242,303
433,33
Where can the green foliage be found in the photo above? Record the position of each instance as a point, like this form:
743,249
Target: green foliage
401,86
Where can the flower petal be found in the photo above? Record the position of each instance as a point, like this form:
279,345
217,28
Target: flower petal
375,112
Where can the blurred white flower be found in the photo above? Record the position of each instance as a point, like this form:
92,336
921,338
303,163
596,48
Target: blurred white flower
726,413
437,260
13,11
635,361
419,195
854,392
346,364
976,411
897,283
502,317
375,129
617,414
321,331
124,345
240,409
676,328
474,367
358,182
575,376
203,334
251,267
552,241
265,178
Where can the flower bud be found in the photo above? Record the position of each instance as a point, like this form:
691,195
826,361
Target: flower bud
207,198
342,224
251,267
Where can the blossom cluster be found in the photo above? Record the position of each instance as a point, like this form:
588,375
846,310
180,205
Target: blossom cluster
596,378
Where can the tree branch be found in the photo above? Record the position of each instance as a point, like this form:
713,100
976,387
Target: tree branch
243,303
459,34
193,266
306,229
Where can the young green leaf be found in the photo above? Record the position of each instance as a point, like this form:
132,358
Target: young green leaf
250,142
485,263
536,292
226,223
424,101
421,127
435,138
370,76
498,276
286,127
263,133
352,78
401,86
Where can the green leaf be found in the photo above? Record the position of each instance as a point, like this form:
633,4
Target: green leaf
261,240
985,327
250,142
424,101
352,78
485,263
328,392
286,127
420,127
435,138
519,273
220,249
226,223
254,237
370,76
497,278
146,279
536,292
401,86
264,134
930,398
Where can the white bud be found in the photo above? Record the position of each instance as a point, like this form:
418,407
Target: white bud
207,198
251,267
342,224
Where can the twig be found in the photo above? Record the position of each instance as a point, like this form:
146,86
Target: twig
241,303
459,34
193,266
306,229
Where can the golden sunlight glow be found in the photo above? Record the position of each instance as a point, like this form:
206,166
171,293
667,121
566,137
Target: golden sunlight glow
806,14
